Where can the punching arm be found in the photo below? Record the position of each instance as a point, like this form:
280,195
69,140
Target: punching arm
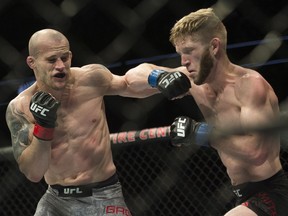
170,84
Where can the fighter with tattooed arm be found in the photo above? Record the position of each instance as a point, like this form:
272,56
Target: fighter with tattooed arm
59,129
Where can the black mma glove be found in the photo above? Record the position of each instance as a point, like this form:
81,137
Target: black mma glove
186,131
170,84
43,107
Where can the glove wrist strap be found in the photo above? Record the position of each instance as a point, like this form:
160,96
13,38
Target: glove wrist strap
202,134
153,77
43,133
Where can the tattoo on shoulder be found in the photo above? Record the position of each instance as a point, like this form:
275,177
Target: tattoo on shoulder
19,128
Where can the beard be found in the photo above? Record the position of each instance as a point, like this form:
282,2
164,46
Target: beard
206,64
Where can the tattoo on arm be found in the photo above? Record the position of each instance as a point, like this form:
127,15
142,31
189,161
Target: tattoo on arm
19,127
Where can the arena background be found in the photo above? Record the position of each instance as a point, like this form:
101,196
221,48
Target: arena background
157,179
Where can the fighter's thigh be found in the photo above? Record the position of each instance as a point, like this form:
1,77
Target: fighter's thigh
240,211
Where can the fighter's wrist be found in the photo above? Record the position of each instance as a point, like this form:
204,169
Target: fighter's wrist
43,133
202,134
153,77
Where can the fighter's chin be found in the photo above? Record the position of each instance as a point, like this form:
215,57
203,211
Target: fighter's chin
59,86
198,81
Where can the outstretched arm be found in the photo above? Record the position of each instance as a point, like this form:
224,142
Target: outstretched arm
141,81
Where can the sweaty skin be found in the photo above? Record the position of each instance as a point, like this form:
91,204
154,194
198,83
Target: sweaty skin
229,96
247,157
232,99
237,97
80,152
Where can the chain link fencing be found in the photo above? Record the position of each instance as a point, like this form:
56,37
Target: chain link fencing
157,179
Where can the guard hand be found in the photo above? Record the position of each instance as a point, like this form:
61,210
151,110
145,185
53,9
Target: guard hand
186,131
43,107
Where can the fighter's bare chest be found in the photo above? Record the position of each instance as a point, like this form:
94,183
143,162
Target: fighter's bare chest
79,112
222,108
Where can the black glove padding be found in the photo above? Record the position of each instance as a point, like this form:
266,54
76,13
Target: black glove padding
182,131
44,107
173,84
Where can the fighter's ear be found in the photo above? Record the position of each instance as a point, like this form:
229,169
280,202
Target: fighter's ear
30,61
215,45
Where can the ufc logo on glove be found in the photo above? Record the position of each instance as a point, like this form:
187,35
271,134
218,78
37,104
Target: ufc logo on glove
170,78
181,125
39,109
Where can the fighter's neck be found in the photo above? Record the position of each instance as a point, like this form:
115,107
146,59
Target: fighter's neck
223,73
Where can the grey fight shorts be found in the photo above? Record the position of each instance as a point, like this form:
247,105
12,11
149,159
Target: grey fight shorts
99,199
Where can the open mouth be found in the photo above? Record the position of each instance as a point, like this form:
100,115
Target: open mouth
60,75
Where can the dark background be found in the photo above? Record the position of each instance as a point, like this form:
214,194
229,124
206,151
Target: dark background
123,33
157,179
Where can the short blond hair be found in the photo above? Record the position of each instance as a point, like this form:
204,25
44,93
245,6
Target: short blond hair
202,24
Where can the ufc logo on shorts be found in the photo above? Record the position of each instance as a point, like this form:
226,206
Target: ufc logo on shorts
38,109
170,78
237,193
180,129
72,191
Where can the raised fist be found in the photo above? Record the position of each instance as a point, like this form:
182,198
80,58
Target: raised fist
43,107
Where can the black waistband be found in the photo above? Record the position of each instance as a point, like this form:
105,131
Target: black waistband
83,190
243,191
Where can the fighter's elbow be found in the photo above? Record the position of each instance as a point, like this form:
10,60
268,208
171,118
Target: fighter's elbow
34,179
30,175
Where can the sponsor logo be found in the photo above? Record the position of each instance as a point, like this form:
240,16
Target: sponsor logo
170,78
39,109
138,136
237,193
72,191
180,129
119,210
